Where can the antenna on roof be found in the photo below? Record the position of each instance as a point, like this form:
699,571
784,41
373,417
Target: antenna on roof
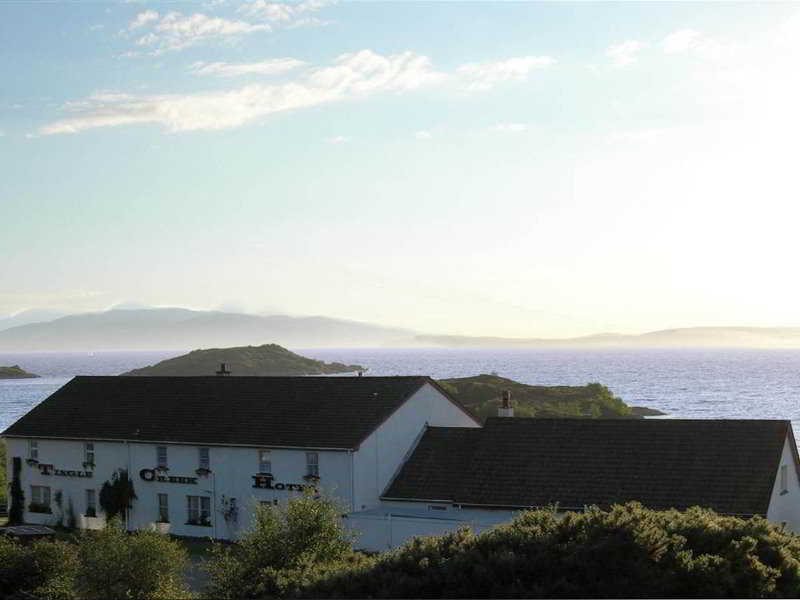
222,370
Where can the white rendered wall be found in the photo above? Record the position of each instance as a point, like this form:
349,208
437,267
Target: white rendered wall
379,457
232,471
785,507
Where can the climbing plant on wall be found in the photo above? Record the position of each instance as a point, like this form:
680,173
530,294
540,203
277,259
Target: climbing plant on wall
17,510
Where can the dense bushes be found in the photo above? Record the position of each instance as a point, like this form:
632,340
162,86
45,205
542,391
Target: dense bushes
106,564
628,551
285,549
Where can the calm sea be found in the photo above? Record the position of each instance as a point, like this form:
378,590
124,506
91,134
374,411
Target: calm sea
683,383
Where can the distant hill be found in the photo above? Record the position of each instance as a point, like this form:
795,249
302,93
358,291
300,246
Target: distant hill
15,372
269,359
688,337
29,316
482,395
180,328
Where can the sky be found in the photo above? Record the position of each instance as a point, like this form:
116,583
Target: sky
481,168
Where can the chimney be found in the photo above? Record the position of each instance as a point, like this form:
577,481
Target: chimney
222,370
506,410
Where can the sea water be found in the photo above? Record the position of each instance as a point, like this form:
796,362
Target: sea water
697,384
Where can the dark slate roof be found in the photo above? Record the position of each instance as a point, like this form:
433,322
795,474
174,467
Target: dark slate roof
311,412
727,465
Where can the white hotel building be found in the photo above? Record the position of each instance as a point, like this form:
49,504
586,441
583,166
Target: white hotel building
402,457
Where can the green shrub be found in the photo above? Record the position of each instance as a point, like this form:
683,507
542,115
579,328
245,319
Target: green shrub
281,551
627,551
145,565
45,569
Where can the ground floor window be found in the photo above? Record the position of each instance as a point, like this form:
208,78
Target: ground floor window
91,503
163,508
199,510
40,499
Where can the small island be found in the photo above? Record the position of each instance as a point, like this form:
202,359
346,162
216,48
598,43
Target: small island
266,360
482,395
15,372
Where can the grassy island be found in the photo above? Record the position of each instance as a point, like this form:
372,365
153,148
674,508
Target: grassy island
269,359
15,372
482,393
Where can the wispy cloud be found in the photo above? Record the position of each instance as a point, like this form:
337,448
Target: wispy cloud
338,139
624,54
176,31
274,66
285,13
485,75
355,75
423,135
692,42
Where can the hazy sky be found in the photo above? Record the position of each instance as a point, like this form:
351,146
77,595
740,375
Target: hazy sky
507,168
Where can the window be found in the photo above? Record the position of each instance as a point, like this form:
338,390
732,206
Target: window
264,462
91,503
784,479
40,499
161,456
88,453
163,508
312,464
199,510
205,458
33,449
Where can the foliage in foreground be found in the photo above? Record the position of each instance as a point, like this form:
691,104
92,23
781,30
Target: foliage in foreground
105,564
285,545
627,551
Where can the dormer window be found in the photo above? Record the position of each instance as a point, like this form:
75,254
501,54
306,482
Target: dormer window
161,457
33,449
784,479
312,464
264,461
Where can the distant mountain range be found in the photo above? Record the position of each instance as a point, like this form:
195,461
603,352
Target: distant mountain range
687,337
183,329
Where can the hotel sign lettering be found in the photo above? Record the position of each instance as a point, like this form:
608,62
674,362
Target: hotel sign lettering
264,482
50,470
150,475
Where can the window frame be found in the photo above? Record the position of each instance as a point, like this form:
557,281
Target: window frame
312,464
268,462
88,453
784,479
204,458
33,449
198,510
159,463
163,507
41,498
91,503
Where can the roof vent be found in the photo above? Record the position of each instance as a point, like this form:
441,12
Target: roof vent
506,410
222,370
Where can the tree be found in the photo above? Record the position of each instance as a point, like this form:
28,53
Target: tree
144,565
283,541
117,496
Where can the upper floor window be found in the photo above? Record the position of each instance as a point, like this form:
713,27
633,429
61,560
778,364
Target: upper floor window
33,449
88,453
161,456
312,464
205,458
784,479
264,461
